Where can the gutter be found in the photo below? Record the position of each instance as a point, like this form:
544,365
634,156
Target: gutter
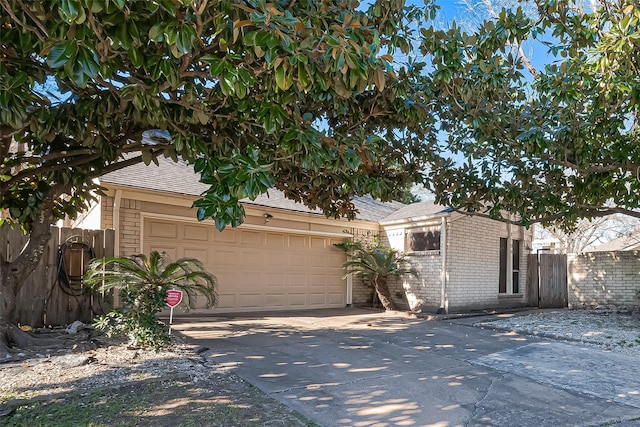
416,219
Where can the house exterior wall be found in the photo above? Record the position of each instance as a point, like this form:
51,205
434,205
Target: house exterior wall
106,208
134,206
603,278
472,265
362,293
415,292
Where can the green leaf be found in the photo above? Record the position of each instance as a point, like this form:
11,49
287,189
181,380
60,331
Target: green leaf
61,53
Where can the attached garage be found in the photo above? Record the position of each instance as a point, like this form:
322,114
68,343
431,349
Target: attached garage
281,258
257,269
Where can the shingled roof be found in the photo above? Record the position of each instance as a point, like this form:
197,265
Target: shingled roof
179,178
416,211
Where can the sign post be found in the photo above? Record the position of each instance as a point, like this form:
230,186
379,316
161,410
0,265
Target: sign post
173,298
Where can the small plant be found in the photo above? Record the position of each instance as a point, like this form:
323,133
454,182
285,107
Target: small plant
143,283
375,264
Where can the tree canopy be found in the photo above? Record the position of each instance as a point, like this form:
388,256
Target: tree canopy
552,146
300,96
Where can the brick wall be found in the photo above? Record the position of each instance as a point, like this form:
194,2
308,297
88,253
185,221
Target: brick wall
473,263
106,204
362,293
603,278
130,227
473,266
129,223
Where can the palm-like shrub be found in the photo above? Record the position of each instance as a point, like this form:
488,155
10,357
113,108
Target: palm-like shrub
375,265
143,283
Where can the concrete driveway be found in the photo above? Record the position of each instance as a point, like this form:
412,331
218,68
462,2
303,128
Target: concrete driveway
352,367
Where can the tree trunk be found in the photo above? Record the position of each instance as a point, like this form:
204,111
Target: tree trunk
384,295
13,274
8,292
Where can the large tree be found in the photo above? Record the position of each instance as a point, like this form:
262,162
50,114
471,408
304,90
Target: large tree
550,145
297,95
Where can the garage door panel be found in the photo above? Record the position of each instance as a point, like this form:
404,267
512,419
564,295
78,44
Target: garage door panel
197,233
297,300
163,229
252,280
274,300
256,269
251,238
277,259
317,299
227,301
276,280
318,261
250,300
224,257
228,236
198,253
297,242
318,242
275,241
316,280
172,252
336,298
298,260
297,281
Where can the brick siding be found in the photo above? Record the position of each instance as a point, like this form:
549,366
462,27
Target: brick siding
473,266
603,278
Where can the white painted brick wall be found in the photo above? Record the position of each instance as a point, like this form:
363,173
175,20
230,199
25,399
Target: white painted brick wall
603,278
473,263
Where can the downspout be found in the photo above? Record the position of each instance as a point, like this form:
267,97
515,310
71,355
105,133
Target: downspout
117,201
444,303
509,257
349,301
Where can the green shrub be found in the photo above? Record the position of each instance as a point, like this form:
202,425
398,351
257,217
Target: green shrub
143,283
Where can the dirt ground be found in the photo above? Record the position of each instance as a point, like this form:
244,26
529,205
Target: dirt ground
87,379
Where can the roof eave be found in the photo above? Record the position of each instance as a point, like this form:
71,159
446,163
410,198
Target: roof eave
415,219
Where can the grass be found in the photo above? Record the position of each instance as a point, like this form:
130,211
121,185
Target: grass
172,402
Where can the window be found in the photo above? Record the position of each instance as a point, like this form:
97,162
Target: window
515,270
423,239
515,266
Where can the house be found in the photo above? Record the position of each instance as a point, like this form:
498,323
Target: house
628,242
283,256
463,262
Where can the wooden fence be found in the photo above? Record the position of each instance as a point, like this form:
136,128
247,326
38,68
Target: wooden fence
547,281
53,294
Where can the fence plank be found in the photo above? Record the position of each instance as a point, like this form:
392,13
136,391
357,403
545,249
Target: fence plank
553,281
41,299
533,293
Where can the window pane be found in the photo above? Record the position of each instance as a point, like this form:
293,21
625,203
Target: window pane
423,240
502,284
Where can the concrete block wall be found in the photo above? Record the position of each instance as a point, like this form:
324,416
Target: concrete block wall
603,278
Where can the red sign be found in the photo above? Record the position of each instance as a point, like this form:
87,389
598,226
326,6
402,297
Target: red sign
173,297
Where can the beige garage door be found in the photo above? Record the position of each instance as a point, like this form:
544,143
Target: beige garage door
257,270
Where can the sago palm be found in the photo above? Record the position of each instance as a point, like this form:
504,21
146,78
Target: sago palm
375,265
143,283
